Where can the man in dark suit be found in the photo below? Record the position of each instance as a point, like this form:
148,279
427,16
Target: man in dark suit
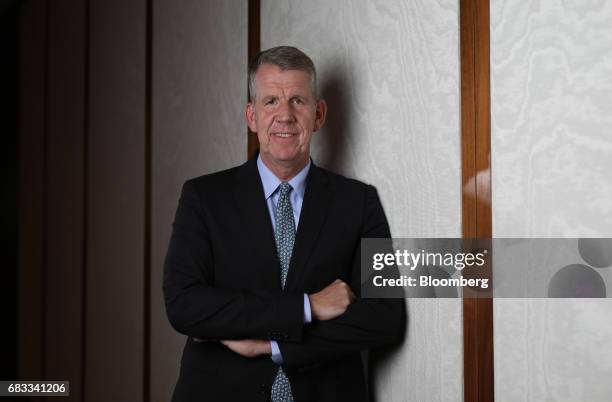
263,268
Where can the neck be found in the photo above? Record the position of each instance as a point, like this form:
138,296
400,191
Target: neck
285,171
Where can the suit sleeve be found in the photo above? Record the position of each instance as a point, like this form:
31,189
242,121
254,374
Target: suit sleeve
197,308
366,324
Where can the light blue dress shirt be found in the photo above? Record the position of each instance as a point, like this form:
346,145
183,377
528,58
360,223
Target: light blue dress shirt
296,198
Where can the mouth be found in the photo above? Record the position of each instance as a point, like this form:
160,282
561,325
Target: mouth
282,134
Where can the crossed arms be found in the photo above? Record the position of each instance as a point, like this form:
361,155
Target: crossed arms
245,321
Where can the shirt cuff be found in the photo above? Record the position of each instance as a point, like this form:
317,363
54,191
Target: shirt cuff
307,312
277,357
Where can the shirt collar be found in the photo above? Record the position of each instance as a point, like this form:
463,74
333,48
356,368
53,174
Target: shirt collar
271,182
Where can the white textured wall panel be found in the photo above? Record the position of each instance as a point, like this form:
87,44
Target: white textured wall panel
551,74
390,73
199,95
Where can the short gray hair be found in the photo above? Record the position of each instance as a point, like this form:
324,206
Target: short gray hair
285,58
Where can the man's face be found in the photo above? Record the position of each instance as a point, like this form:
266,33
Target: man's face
284,116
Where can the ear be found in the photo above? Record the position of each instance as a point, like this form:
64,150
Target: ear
250,117
320,114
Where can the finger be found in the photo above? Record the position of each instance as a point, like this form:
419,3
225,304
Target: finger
352,295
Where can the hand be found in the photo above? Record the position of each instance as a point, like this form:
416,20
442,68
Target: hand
332,301
249,347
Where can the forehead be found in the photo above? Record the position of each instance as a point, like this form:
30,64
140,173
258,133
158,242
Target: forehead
270,78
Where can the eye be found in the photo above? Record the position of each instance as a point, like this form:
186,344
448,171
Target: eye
297,101
271,101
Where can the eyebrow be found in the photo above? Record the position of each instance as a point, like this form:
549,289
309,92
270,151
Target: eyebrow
294,96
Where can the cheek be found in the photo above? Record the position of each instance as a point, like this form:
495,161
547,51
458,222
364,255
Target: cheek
307,121
263,138
262,125
306,140
308,126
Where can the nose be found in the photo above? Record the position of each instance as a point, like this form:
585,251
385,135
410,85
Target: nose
284,113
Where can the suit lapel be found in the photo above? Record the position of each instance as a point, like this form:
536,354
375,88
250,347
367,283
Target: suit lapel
256,221
312,217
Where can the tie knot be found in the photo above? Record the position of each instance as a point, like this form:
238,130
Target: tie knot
284,189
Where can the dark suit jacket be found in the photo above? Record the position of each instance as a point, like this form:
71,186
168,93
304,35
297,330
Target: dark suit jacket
221,281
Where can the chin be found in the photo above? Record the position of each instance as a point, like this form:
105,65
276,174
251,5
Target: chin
285,156
286,159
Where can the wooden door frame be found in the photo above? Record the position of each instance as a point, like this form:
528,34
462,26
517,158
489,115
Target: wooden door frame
254,47
476,199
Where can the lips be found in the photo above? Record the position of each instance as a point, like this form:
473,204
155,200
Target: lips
284,134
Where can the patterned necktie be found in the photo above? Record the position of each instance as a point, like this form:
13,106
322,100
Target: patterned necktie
284,234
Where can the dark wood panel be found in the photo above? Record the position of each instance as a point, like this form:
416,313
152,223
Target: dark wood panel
65,162
146,343
31,192
476,194
254,44
116,201
84,247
